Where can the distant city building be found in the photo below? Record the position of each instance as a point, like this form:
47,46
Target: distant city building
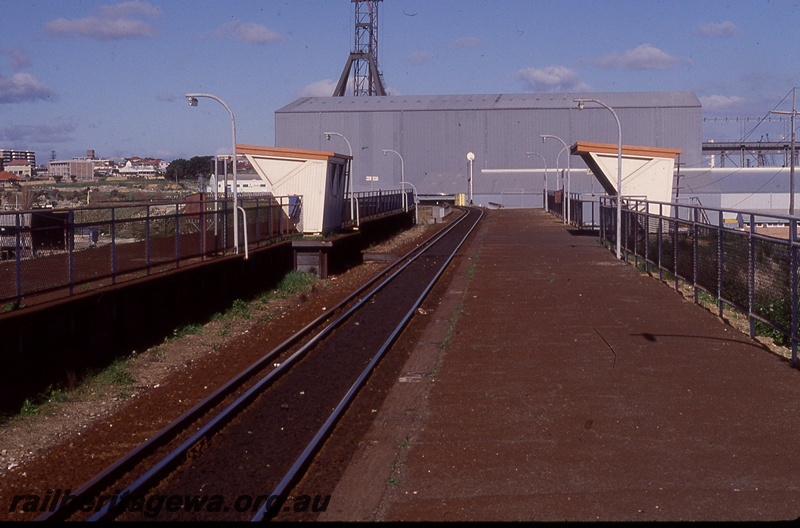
22,168
145,170
149,164
9,180
246,182
9,155
91,167
79,169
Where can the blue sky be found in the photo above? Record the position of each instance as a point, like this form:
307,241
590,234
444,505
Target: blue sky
110,76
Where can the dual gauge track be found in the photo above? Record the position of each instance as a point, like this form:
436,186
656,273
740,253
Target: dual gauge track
262,429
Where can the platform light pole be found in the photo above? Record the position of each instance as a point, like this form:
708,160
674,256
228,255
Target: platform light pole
416,203
402,178
349,172
619,167
545,176
793,114
545,137
192,98
470,159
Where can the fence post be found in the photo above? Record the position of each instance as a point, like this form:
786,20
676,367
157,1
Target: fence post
660,242
647,239
147,237
113,246
751,276
71,252
695,257
177,237
18,256
675,250
793,250
635,228
258,222
720,263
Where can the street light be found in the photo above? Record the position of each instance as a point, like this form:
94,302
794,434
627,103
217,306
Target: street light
402,176
470,158
545,137
349,175
545,175
619,167
403,184
416,203
192,98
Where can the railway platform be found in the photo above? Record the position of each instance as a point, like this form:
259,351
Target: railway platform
556,383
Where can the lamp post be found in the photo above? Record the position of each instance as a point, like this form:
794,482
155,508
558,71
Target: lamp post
416,203
402,176
192,98
619,166
349,175
793,114
545,137
545,176
470,159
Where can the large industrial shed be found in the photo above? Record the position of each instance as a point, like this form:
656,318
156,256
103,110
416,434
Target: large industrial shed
433,135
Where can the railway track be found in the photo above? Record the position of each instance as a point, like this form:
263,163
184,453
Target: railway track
236,454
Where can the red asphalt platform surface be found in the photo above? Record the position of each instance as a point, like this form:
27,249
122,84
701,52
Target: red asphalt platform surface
557,383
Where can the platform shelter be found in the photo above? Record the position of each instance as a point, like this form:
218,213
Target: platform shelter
647,172
317,178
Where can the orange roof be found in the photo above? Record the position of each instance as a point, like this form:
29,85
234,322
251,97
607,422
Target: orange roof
282,152
586,147
7,176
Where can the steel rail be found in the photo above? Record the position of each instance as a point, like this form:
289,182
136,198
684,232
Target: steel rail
127,462
268,509
174,458
172,431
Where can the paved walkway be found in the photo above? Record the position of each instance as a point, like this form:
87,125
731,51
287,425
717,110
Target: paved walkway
570,386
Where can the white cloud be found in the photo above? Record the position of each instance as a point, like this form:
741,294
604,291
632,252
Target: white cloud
326,87
721,29
552,79
642,57
323,88
112,22
249,32
717,103
23,87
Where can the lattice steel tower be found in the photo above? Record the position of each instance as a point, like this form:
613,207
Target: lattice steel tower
363,60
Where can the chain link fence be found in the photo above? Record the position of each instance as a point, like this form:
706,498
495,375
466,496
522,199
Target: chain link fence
739,260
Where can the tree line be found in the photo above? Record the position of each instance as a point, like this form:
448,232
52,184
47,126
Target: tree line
191,169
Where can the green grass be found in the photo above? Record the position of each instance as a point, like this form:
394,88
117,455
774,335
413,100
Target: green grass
394,479
292,283
118,375
186,330
29,408
239,309
12,306
225,329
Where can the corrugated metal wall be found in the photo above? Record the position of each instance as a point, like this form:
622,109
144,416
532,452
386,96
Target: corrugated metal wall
435,133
